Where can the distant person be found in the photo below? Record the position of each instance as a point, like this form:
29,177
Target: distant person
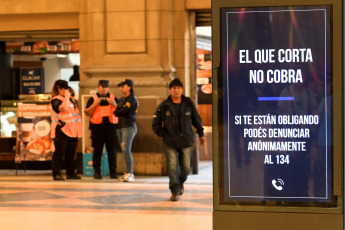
173,121
103,122
66,128
126,111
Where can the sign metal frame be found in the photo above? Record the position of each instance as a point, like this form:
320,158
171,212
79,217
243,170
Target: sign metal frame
337,69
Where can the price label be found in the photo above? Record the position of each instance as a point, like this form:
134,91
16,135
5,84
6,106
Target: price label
42,128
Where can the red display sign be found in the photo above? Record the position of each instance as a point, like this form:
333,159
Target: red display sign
33,133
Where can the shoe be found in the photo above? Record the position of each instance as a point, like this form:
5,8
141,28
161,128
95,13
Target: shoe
114,176
97,176
73,177
181,189
174,196
127,177
121,178
58,177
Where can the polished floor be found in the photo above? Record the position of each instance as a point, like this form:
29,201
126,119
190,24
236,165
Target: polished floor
31,200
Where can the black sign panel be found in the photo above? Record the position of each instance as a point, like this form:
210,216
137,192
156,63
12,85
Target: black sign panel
31,80
277,103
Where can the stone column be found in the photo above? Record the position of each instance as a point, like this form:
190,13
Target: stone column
144,40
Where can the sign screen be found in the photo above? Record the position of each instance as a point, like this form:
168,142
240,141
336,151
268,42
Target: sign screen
31,80
277,103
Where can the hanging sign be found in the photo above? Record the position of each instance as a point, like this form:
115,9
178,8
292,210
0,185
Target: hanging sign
31,80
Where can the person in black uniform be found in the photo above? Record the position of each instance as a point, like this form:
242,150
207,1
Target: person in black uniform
127,128
103,122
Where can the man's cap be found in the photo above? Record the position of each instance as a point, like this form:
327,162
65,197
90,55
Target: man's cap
175,82
128,82
62,84
103,83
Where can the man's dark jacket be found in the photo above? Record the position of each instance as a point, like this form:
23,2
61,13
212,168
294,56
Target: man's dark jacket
165,123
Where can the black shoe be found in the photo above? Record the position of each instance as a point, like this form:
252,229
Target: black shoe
73,177
114,176
97,176
174,196
58,177
181,189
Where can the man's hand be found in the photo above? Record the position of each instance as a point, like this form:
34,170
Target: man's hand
66,102
89,110
112,102
98,101
202,140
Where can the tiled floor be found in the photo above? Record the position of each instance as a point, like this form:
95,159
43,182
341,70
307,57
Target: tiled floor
33,201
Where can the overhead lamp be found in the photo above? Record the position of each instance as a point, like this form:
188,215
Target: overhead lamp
74,59
75,76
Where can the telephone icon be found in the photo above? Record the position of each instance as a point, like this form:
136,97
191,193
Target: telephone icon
276,182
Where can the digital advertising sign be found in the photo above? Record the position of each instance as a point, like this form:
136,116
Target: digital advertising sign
277,105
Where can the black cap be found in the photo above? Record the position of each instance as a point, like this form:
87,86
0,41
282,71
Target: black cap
175,82
103,83
128,82
62,84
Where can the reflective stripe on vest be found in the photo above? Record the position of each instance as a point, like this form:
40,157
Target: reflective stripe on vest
71,118
103,111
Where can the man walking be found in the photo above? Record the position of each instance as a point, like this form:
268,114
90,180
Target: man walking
173,121
103,122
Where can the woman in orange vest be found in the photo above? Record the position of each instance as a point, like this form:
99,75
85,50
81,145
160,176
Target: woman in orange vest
66,128
103,122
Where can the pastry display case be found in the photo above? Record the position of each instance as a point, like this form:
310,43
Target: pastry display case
8,115
9,123
8,129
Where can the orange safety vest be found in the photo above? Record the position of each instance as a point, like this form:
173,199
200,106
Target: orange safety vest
103,111
71,117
